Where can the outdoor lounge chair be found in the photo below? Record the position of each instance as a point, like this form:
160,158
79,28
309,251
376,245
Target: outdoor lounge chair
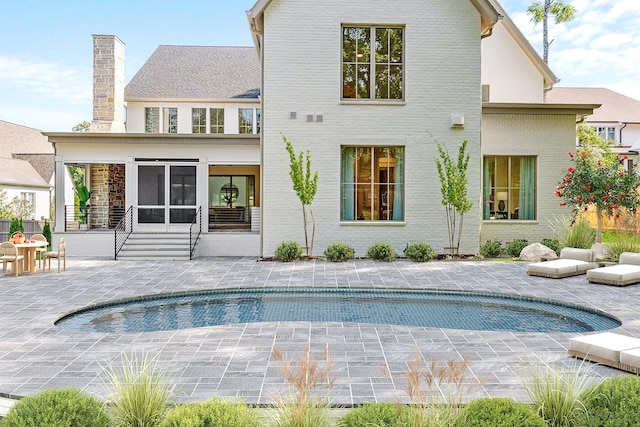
626,272
607,348
572,261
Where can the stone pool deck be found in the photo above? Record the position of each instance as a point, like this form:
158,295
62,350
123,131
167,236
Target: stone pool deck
236,360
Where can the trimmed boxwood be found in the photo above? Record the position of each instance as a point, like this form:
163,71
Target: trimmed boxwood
380,414
614,402
62,407
499,412
515,247
491,249
382,252
339,252
288,251
213,413
420,252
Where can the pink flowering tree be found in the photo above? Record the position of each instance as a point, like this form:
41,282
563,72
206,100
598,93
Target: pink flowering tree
599,178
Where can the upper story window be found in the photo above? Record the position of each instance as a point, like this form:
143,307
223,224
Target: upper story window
607,133
199,120
509,187
217,120
372,62
258,120
28,204
245,120
372,184
170,120
152,119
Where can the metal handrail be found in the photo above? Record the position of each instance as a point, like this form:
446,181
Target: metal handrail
122,231
197,220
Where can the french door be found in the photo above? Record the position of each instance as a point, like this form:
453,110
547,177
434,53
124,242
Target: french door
167,196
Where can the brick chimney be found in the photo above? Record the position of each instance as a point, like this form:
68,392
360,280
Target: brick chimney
108,84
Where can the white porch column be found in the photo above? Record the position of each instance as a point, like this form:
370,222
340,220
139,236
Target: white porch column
60,172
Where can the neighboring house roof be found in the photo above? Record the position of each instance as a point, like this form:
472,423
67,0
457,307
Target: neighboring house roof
17,139
615,107
489,16
549,76
20,173
44,164
197,73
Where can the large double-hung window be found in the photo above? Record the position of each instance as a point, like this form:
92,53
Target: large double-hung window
372,62
509,187
372,184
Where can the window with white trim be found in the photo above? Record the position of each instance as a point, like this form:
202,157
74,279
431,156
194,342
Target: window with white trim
509,187
28,200
152,119
170,120
216,117
607,133
372,184
245,120
198,120
372,62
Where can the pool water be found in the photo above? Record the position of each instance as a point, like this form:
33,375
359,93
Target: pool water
434,309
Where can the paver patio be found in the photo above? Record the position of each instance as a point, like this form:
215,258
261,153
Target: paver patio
236,360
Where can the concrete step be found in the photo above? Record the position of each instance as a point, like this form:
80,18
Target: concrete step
141,246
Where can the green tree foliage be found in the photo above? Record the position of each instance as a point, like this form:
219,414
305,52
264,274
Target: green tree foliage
305,184
453,186
5,208
16,225
541,11
598,177
85,126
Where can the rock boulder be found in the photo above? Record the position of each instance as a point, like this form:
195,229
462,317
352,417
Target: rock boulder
536,252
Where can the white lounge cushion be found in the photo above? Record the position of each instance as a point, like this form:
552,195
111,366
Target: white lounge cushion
604,345
631,359
559,268
586,255
619,275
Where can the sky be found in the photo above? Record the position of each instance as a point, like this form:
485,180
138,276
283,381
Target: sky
46,46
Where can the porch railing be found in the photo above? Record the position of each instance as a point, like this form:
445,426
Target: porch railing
122,230
197,224
95,217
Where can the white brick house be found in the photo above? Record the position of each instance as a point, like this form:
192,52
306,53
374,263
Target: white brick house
370,89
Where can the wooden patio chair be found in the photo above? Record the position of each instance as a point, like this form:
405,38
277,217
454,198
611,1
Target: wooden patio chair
41,250
8,254
60,255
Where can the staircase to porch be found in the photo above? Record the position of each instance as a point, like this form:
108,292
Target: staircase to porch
146,246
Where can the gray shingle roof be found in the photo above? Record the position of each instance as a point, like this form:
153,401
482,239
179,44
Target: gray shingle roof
197,72
17,139
20,173
615,106
44,164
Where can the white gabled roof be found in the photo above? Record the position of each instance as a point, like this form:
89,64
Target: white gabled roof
489,16
549,76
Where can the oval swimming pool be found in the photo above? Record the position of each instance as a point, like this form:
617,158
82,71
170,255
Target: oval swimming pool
436,309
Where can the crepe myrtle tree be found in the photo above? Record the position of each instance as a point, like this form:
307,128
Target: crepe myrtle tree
599,178
305,184
541,11
453,186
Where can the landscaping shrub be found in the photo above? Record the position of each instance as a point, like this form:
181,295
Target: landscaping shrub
579,235
288,251
382,252
553,244
556,394
375,415
498,412
623,242
139,392
214,413
339,252
46,231
15,225
61,407
420,252
491,249
615,402
515,247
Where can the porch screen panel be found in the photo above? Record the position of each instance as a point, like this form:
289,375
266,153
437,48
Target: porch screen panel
183,194
151,191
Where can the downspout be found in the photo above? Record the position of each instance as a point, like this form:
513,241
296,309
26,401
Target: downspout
621,129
